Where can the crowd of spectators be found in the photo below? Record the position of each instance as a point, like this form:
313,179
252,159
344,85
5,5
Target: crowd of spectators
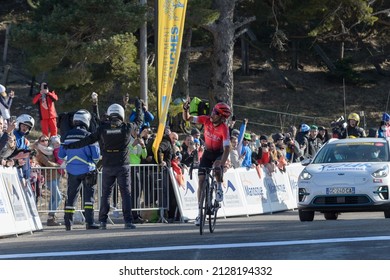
248,149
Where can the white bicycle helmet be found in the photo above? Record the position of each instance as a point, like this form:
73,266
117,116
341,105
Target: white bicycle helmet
82,116
116,110
26,120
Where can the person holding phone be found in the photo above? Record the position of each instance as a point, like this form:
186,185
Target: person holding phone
45,100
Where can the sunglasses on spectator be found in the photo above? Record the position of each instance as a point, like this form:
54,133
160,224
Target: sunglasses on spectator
44,140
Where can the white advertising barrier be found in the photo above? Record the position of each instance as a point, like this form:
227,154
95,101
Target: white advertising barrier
293,171
245,193
18,203
280,194
186,196
234,203
35,220
255,193
18,211
7,221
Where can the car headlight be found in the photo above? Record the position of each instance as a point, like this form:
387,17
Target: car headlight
305,175
380,173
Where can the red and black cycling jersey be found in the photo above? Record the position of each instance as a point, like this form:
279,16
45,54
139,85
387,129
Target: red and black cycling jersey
215,137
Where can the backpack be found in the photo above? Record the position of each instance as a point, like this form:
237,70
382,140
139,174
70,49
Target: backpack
199,107
203,108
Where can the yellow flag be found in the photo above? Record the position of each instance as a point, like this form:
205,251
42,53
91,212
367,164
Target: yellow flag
171,17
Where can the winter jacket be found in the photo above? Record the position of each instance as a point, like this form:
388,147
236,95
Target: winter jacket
81,160
47,109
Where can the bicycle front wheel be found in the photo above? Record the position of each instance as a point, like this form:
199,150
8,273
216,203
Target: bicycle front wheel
214,206
203,209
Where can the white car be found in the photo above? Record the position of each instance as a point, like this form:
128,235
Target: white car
346,175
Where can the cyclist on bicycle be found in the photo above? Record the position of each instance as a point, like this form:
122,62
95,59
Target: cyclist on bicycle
217,144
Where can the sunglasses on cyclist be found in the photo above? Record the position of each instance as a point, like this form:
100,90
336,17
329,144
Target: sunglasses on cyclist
215,112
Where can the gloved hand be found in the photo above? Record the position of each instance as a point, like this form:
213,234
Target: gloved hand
186,106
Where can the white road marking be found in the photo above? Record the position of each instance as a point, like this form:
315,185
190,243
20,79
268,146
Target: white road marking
196,247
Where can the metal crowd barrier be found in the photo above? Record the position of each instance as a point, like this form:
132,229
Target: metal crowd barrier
149,187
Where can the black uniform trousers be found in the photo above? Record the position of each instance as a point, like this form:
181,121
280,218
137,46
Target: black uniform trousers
75,182
120,174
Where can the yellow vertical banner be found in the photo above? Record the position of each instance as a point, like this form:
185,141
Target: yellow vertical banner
171,17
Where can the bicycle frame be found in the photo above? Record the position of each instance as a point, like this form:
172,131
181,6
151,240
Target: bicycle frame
208,206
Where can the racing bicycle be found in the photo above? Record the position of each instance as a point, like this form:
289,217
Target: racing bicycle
208,206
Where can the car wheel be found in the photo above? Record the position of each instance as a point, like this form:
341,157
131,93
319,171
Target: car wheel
387,214
306,216
331,215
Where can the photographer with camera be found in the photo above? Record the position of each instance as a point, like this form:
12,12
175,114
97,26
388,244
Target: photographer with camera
352,130
45,100
337,127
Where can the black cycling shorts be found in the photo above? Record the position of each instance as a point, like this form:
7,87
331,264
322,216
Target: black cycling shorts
208,159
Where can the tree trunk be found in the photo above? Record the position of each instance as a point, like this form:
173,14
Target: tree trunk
223,30
244,56
182,88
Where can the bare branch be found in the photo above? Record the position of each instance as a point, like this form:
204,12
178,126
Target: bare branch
244,21
239,33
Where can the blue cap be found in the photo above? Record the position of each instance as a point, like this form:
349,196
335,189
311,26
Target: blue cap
305,127
386,117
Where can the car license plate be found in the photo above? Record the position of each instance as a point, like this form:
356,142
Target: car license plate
346,190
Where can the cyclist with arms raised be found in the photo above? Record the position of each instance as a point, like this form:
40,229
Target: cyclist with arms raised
217,144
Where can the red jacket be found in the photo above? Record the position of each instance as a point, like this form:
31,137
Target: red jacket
47,110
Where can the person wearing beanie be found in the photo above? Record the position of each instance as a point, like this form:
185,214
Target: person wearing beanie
323,134
263,139
196,134
303,139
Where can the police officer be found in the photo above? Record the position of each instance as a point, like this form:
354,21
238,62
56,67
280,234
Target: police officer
81,168
114,136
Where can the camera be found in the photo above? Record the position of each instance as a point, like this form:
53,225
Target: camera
337,123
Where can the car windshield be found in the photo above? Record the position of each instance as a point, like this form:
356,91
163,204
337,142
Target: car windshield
353,152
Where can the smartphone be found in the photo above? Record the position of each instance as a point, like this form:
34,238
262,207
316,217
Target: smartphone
13,118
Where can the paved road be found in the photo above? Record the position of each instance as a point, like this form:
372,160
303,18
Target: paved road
278,236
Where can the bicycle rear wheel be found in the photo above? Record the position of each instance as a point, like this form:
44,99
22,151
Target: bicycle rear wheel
214,206
203,208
